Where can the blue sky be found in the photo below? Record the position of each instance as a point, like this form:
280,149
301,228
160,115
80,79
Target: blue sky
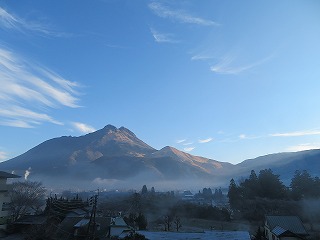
227,80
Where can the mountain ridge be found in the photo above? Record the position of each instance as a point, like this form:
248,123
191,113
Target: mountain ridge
117,154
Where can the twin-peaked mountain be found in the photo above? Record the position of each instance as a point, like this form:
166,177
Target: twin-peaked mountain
111,153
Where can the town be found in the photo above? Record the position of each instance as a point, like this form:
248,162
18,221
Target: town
260,207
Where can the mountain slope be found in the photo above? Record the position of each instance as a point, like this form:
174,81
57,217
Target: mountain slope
283,164
110,153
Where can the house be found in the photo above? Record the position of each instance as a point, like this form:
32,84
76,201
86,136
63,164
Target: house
118,227
187,196
284,228
25,223
5,198
76,227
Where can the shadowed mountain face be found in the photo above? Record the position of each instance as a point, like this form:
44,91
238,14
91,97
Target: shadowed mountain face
283,164
111,153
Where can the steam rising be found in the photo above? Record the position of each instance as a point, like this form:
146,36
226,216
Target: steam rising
27,173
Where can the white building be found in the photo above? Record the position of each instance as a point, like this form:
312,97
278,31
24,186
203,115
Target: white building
5,198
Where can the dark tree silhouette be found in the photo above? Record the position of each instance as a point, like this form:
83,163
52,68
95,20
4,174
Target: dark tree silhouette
234,194
144,190
177,223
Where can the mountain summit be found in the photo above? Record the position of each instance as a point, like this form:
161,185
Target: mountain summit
110,154
113,155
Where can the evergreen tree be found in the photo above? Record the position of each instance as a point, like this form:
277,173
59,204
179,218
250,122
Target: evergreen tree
234,194
316,187
142,222
259,234
303,185
271,186
144,190
250,188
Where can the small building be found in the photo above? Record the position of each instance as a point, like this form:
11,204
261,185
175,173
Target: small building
284,228
77,227
187,196
5,198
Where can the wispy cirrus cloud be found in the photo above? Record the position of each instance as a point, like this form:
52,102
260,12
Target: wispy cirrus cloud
303,147
162,37
179,15
202,57
187,143
29,90
297,133
11,21
189,149
181,140
205,140
226,65
83,128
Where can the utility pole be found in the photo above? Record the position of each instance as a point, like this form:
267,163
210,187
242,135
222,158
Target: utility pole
92,221
91,230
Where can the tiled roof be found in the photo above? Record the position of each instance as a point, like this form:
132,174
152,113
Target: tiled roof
291,223
278,230
82,222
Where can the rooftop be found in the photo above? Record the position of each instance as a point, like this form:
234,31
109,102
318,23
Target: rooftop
283,223
8,175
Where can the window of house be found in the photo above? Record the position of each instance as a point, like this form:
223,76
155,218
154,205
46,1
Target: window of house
6,206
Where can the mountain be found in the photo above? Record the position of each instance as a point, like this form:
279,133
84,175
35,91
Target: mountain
116,156
110,155
283,164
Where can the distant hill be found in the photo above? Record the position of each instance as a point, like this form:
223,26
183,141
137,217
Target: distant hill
111,156
284,164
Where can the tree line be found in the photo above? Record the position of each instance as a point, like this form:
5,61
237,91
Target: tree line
265,193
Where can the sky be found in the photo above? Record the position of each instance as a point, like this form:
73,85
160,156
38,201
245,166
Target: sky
226,80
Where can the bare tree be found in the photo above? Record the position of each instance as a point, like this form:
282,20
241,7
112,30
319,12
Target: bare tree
26,197
167,223
177,223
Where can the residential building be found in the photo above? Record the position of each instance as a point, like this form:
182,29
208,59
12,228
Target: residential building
5,198
284,228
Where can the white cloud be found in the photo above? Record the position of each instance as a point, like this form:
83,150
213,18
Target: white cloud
26,115
179,15
187,143
181,140
7,20
205,140
242,136
3,156
296,134
201,57
12,22
303,147
84,128
226,65
163,37
189,149
28,90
